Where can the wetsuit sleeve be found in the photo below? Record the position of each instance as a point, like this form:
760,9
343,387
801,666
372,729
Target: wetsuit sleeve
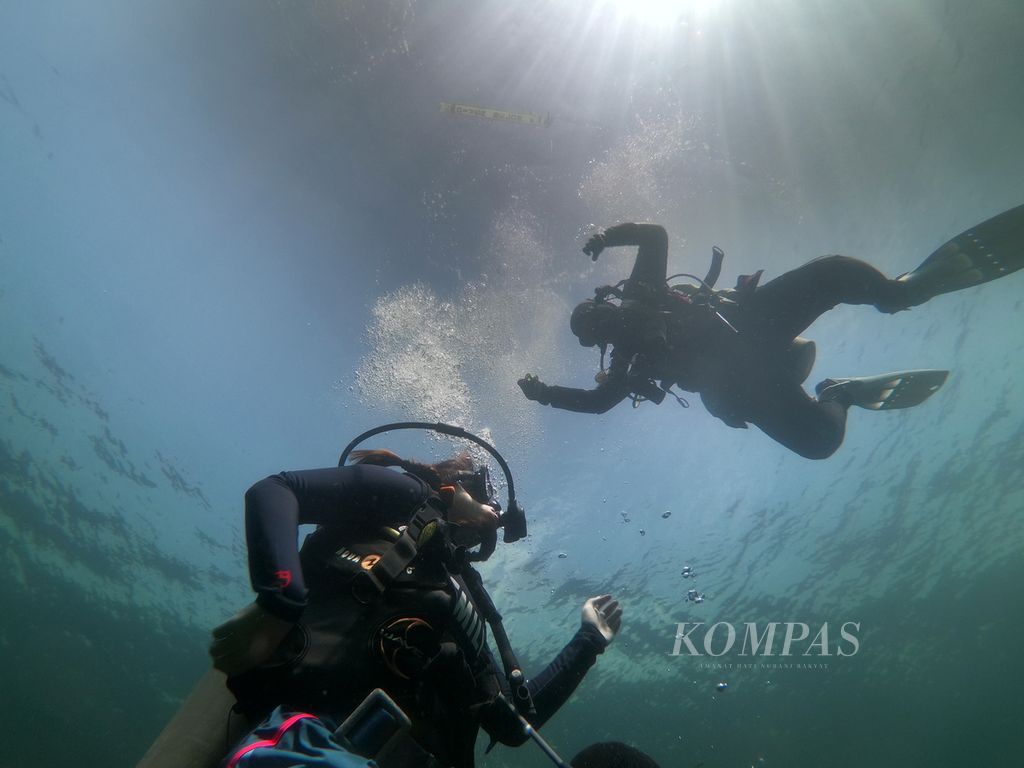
276,506
651,266
603,397
556,683
598,400
550,689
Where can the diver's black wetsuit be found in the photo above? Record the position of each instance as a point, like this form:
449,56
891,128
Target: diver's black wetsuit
743,376
418,641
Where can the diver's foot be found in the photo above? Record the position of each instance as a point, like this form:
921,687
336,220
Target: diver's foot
832,391
902,293
949,270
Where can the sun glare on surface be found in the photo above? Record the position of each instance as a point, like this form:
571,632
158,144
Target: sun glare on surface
661,12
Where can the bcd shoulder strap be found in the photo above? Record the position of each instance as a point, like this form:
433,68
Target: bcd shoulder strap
425,524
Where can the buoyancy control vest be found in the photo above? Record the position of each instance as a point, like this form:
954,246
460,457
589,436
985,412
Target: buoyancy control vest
344,647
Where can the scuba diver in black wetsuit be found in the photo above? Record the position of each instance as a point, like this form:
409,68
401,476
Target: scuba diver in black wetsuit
741,349
384,595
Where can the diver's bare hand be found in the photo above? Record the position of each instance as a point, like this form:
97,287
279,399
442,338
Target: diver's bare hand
247,639
604,614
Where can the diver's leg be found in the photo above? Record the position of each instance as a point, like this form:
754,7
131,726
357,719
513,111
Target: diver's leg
783,308
812,429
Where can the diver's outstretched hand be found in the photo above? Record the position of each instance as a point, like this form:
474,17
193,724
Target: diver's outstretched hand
247,639
604,614
533,388
594,246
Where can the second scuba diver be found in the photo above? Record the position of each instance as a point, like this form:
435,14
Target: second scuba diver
741,349
384,595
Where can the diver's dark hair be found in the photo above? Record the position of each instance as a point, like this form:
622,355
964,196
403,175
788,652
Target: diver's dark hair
434,475
612,754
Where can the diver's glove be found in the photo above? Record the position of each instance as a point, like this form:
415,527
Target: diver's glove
604,614
534,389
247,639
595,245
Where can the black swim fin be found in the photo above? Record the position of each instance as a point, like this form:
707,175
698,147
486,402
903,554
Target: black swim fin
889,391
984,252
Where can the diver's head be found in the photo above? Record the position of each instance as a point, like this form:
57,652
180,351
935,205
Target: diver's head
612,754
473,511
458,470
475,507
477,482
594,322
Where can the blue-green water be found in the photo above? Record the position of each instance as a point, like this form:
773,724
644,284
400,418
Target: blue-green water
234,235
